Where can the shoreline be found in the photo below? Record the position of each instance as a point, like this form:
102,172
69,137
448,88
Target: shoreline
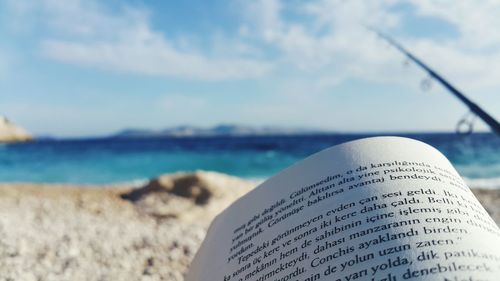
120,232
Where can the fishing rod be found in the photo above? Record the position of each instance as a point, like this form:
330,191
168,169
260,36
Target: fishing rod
474,108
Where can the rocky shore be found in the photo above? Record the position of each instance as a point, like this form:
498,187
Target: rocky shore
10,132
53,232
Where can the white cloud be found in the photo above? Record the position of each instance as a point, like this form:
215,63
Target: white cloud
323,39
327,37
331,37
469,70
86,33
477,21
152,56
472,59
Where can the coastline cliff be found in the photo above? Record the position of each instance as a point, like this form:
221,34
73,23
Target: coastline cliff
10,132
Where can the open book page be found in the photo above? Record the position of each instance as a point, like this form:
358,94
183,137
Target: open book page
383,208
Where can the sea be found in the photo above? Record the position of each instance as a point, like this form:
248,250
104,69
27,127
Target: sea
135,160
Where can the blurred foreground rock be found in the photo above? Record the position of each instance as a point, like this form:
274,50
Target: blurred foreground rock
188,198
109,233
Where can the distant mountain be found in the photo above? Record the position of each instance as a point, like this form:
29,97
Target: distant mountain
219,130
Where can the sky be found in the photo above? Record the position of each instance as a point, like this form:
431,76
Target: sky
79,68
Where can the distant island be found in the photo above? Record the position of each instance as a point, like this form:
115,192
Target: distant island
219,130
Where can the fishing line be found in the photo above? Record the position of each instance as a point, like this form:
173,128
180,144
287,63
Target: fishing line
466,122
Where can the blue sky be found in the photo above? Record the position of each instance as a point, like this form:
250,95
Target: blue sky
87,67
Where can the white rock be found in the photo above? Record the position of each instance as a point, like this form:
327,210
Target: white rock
9,132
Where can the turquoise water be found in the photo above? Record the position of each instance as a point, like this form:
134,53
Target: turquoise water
111,160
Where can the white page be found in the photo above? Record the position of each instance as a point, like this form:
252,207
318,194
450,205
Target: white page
391,209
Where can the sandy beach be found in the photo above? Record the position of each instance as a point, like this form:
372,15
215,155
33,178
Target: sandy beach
56,232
